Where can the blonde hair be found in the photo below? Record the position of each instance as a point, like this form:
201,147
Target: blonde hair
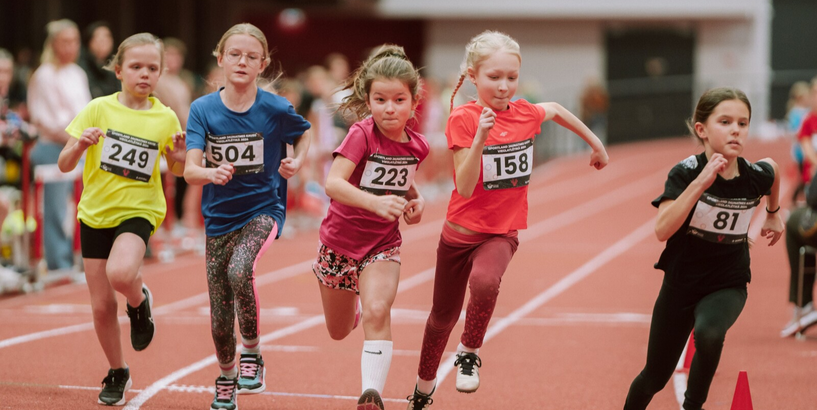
482,46
5,55
798,90
135,40
248,29
53,29
388,62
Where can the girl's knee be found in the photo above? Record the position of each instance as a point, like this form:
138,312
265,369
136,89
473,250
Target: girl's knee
484,287
708,338
104,308
376,313
337,332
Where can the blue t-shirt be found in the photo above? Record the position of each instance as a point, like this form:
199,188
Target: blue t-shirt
256,189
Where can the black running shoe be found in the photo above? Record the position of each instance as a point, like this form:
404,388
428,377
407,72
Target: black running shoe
141,322
420,401
114,387
370,400
225,394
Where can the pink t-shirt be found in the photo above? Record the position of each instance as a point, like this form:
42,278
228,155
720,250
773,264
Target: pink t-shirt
357,232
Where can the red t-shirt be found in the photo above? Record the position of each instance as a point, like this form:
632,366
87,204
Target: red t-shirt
384,166
499,203
808,131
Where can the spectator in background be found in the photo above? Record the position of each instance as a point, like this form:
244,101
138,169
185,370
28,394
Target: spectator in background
57,92
338,67
796,109
801,230
98,47
326,135
594,104
177,92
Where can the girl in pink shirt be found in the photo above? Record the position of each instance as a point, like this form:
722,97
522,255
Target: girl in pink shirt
371,186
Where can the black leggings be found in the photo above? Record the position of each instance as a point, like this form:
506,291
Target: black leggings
795,240
675,314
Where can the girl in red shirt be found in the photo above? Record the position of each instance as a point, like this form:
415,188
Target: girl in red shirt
492,141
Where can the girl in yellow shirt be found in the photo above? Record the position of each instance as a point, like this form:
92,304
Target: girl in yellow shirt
122,203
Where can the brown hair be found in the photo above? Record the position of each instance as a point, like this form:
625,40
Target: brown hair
135,40
709,100
482,46
389,61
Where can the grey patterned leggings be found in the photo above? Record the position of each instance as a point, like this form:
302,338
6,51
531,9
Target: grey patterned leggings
231,260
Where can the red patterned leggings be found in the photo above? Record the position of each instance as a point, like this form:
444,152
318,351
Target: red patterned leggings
462,260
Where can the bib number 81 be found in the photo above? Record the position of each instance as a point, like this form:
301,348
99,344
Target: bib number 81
722,220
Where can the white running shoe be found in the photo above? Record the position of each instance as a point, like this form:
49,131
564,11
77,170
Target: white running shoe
468,365
808,317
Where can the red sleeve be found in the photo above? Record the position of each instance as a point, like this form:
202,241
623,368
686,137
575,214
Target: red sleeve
808,128
461,129
354,146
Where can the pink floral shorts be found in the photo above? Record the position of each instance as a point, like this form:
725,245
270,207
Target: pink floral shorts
338,271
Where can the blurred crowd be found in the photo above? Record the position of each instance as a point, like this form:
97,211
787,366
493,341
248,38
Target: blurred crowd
40,96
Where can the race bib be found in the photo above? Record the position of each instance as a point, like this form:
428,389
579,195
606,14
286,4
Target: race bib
244,151
722,220
507,165
128,156
388,175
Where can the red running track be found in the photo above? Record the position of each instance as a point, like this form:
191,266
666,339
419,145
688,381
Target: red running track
569,332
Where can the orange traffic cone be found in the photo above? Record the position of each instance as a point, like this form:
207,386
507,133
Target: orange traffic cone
690,351
743,398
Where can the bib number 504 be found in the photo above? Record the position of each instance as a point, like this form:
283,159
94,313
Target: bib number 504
231,153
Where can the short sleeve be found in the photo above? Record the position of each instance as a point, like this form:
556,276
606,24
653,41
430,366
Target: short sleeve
461,129
195,128
293,125
354,146
83,120
679,178
762,174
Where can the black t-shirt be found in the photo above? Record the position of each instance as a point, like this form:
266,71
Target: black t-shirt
714,253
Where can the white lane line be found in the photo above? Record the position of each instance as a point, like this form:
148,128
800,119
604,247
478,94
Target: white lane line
617,249
184,388
410,235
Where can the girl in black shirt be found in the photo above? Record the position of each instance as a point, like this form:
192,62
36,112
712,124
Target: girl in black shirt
704,215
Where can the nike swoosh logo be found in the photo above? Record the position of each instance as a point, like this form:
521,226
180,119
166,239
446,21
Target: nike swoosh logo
377,352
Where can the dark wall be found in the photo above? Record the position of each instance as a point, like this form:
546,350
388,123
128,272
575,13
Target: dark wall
794,48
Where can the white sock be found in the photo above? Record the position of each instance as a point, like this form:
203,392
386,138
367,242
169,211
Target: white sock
374,364
229,370
462,348
251,345
426,386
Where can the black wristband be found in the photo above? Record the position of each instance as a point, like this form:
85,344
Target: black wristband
775,211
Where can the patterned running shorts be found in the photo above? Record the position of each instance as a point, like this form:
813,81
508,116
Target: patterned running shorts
338,271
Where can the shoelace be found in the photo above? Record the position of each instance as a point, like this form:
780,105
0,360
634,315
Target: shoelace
420,399
467,362
249,370
110,380
224,391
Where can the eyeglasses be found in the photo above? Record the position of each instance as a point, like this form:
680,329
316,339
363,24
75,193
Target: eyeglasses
233,56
